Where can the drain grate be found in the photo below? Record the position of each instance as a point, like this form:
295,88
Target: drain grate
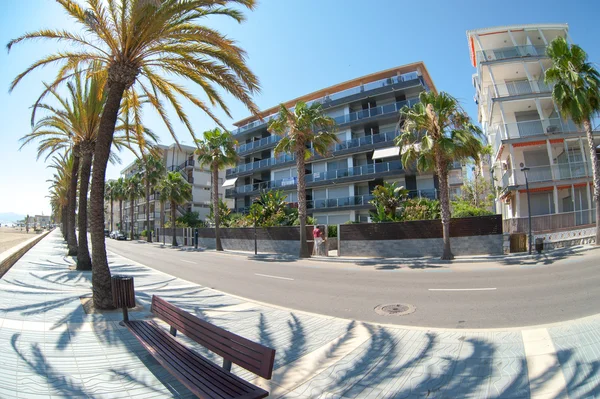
394,309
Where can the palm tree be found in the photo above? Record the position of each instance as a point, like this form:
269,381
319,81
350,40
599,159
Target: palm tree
152,170
217,150
133,190
59,188
138,43
109,195
119,195
436,132
301,128
576,92
174,189
389,197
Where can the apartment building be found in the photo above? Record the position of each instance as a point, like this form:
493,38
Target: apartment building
176,158
524,126
339,186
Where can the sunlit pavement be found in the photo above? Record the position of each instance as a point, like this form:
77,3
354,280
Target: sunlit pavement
51,348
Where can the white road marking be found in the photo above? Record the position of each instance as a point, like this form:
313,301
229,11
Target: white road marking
188,261
462,289
266,275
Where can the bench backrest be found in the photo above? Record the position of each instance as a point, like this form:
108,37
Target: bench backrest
250,355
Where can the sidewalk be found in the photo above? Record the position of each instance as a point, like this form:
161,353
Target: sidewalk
51,348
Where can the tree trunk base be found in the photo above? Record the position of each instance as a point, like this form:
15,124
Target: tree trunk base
72,251
84,264
449,256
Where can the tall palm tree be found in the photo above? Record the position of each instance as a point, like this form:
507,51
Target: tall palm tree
59,188
119,193
109,195
301,128
133,189
576,92
152,170
139,43
436,132
174,189
74,122
217,150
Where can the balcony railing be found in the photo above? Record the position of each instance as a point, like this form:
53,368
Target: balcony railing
254,145
318,176
510,52
518,88
427,193
349,144
375,111
538,174
552,222
356,200
534,128
336,96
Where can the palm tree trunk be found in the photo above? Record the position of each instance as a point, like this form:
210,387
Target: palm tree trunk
173,224
215,192
595,173
71,237
442,169
162,219
120,215
63,219
304,253
112,214
131,201
83,253
148,231
102,293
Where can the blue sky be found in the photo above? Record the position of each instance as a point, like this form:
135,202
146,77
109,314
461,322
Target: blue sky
294,48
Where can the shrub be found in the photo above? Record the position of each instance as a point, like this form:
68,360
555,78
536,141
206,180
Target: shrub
463,209
331,231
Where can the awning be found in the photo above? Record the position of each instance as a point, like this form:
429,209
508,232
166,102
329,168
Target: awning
386,152
230,182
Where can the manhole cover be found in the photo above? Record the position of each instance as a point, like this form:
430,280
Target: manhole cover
394,309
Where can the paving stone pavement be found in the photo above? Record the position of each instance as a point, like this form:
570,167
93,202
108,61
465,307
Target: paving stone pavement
50,348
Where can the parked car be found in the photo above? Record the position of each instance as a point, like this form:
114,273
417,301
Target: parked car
118,235
106,233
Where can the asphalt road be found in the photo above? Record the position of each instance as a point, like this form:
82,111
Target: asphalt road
490,295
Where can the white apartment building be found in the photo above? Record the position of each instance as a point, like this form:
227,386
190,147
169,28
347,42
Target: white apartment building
340,186
524,126
176,158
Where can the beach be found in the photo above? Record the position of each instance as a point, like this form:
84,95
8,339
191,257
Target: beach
12,236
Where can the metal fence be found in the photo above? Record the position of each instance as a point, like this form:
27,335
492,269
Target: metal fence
554,222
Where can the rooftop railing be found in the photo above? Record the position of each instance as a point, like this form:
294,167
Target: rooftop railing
336,96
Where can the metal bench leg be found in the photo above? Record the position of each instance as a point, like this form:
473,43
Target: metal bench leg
227,364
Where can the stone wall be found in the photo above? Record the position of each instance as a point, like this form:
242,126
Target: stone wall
468,236
568,238
11,256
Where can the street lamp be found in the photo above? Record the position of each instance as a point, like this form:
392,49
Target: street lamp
524,169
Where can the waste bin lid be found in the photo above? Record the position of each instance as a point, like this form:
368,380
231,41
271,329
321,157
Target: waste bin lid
121,277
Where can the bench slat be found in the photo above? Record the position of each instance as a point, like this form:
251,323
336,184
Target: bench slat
193,366
250,355
202,377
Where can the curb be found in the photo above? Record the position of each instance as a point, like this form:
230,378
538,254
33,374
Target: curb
7,261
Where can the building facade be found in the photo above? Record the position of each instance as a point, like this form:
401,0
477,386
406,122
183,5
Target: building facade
339,186
524,126
176,158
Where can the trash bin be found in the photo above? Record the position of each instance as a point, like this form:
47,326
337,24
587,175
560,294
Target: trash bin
123,293
539,245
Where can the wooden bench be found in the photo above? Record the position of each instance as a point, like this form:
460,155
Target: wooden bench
201,376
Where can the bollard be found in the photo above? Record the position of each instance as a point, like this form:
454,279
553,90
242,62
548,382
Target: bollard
196,238
539,245
123,293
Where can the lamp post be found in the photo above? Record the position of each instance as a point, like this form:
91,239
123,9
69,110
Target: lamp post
524,169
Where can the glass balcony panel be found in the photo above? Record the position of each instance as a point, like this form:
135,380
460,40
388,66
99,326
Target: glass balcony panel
530,128
539,174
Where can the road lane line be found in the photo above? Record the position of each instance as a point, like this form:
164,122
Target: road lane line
462,289
188,261
267,275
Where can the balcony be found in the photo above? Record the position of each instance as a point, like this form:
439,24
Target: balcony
547,173
376,111
430,193
316,177
534,128
344,202
365,141
258,144
550,223
518,88
336,96
504,53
